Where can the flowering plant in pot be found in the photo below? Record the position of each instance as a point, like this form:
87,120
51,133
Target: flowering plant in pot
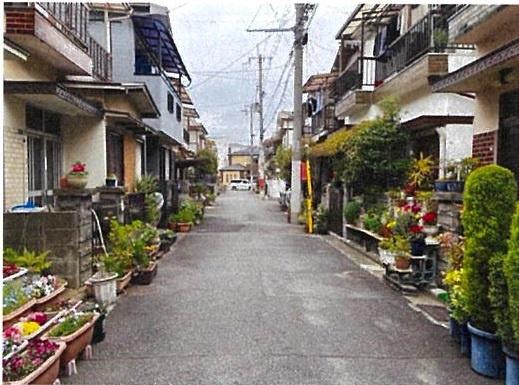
17,300
182,220
489,201
430,227
77,177
37,364
12,341
401,248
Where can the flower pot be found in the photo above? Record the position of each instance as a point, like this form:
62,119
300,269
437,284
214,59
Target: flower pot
99,333
183,227
145,276
418,247
46,373
486,356
512,367
76,342
54,297
454,329
104,287
402,263
455,186
124,281
77,181
440,185
465,340
19,274
110,182
12,317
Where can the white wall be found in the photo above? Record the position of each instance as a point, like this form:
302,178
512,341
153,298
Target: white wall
84,140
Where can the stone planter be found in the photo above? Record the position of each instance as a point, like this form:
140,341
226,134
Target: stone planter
76,181
486,355
12,317
75,342
124,281
104,288
52,298
145,276
46,373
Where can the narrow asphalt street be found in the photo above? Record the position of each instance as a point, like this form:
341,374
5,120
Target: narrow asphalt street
248,299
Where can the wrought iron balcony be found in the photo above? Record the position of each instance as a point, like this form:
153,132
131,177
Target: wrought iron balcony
101,60
72,17
359,74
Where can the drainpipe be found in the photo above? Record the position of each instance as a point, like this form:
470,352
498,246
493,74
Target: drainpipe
442,133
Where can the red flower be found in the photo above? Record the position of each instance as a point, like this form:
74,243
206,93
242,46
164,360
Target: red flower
78,167
430,218
38,317
415,229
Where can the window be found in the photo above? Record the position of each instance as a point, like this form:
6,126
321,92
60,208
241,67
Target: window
171,103
44,155
115,156
179,113
507,154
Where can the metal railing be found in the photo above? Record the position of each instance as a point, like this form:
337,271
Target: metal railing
324,120
73,17
101,60
360,73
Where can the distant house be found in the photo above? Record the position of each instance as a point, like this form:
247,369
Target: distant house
234,171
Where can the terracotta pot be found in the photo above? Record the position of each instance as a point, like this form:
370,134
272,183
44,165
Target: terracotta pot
402,263
146,276
52,298
46,373
13,316
76,342
183,227
77,181
172,226
123,281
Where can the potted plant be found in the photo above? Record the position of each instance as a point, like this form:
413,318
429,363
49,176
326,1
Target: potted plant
145,268
182,220
76,330
46,290
430,224
77,177
111,180
167,238
37,364
401,249
509,326
34,262
489,201
12,342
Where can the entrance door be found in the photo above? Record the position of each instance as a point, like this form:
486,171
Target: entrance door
508,144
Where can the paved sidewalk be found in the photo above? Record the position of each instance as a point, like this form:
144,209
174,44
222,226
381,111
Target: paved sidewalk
248,299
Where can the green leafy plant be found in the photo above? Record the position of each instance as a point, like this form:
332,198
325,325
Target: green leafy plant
511,268
283,161
352,211
34,262
149,185
207,162
372,222
70,324
489,201
321,220
401,247
457,297
183,216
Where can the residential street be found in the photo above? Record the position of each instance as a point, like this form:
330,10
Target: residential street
249,299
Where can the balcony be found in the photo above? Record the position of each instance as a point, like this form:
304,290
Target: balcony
323,120
57,33
354,86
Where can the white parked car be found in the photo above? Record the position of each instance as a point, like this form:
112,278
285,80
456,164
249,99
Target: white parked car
240,184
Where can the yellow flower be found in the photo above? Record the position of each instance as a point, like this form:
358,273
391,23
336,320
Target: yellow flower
391,225
28,327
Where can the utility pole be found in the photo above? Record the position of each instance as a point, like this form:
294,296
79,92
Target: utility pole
249,112
299,30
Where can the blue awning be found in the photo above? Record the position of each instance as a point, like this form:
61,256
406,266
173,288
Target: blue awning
158,38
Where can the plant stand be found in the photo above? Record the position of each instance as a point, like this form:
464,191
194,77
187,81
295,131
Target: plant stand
421,272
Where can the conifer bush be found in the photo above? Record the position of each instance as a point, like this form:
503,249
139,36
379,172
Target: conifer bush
489,201
511,267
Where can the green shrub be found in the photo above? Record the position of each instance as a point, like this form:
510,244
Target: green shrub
34,262
321,220
511,267
372,222
489,201
184,215
352,211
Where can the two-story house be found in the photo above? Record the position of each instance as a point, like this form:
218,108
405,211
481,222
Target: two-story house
396,50
47,125
493,77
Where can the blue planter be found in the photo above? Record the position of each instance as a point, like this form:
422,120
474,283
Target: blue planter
454,329
512,367
464,340
486,356
440,186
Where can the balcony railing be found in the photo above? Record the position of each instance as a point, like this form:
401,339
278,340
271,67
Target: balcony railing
101,60
324,120
72,17
361,73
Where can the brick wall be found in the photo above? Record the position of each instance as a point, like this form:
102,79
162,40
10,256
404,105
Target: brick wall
484,147
19,20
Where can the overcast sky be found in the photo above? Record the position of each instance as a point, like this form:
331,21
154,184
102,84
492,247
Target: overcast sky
212,39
